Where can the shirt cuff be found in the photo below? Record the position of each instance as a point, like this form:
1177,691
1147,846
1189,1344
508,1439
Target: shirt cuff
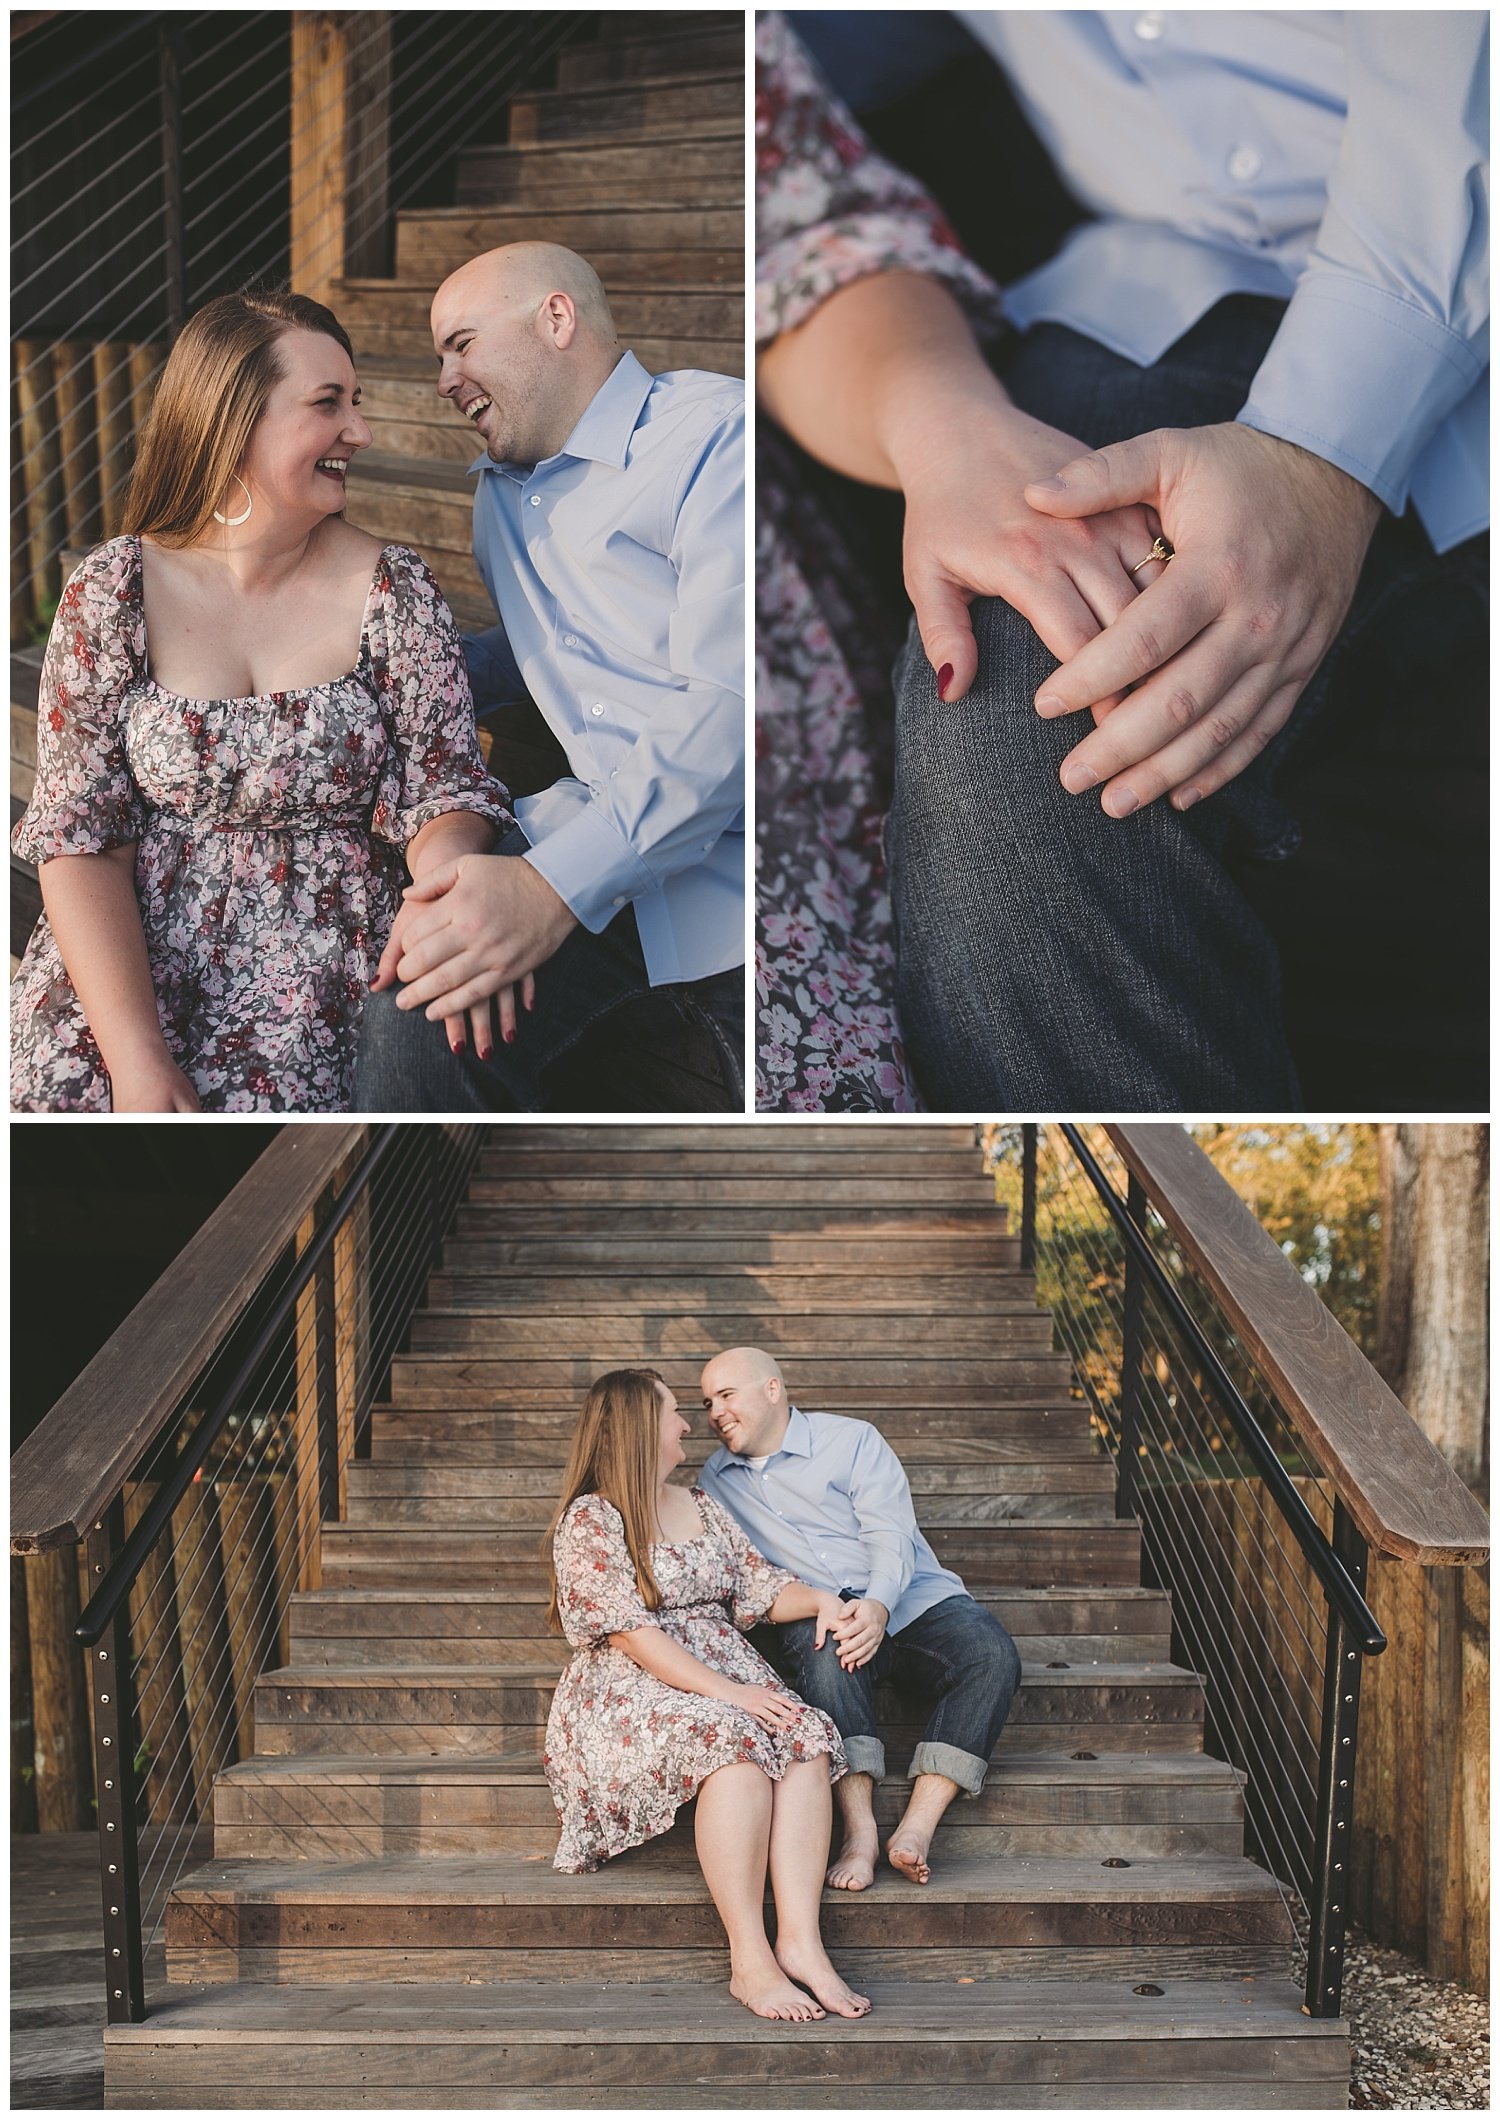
592,867
886,1590
1362,379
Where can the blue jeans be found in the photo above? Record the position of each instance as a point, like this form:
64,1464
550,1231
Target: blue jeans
956,1655
1051,957
405,1063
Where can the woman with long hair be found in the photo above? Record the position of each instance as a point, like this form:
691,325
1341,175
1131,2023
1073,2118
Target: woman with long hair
250,711
665,1700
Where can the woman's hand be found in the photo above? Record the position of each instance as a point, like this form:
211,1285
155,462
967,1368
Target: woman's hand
771,1709
970,532
151,1084
830,1609
476,1023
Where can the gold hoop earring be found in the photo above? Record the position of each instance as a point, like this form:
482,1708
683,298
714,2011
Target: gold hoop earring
233,521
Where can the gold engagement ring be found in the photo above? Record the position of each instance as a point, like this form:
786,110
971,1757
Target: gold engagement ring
1160,550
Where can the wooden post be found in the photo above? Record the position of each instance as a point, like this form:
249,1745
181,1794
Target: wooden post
44,521
22,610
64,1775
73,381
22,1728
306,1433
340,160
247,1534
203,1626
113,417
351,1313
145,364
157,1650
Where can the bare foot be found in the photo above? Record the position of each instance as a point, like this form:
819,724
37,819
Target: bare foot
854,1870
906,1851
768,1993
813,1969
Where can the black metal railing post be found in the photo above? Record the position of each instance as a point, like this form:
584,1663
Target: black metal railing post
169,75
1131,1357
112,1680
1334,1831
1028,1198
325,1331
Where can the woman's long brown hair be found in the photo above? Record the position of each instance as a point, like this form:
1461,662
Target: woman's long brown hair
212,391
615,1452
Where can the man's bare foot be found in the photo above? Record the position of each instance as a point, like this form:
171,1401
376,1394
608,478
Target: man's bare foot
854,1869
814,1969
906,1851
767,1992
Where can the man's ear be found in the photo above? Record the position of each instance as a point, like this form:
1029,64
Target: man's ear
773,1389
560,319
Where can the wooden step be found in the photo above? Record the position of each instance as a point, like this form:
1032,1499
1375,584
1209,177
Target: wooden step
1011,1555
590,1140
1048,1492
493,1917
991,2044
834,1194
689,169
619,1335
727,1162
491,1241
698,101
388,318
642,246
878,1379
349,1808
706,47
798,1293
467,1436
420,1626
471,1707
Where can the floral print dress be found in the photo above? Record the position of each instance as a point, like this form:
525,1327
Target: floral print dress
625,1750
828,211
267,833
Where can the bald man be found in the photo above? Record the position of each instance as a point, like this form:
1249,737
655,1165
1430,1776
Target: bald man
826,1498
609,527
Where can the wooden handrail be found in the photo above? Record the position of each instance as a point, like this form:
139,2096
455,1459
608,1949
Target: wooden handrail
1401,1492
72,1466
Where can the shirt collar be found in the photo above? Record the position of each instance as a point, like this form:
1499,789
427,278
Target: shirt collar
606,423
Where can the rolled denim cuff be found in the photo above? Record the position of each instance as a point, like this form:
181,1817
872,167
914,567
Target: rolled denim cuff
866,1755
966,1768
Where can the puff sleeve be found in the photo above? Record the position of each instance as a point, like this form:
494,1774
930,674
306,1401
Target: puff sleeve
757,1583
423,684
85,799
596,1586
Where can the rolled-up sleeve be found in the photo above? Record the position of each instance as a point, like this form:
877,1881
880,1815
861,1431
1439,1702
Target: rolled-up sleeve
683,781
1388,328
828,209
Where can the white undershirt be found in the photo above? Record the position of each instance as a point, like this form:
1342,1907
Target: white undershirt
759,1464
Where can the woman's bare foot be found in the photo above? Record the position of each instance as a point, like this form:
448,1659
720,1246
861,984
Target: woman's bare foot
766,1991
906,1851
854,1868
814,1969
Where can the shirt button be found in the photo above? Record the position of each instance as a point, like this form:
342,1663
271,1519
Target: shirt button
596,711
536,500
617,901
1243,164
570,640
1150,26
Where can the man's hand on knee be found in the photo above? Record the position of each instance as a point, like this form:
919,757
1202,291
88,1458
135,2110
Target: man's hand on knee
860,1631
1269,541
470,930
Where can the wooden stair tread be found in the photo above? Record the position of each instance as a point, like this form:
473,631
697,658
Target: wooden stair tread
539,2012
633,1879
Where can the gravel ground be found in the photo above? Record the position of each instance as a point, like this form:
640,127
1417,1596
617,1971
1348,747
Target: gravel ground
1419,2043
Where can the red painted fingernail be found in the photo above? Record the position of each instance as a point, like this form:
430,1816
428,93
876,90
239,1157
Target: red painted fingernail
945,678
510,1037
484,1051
460,1044
374,982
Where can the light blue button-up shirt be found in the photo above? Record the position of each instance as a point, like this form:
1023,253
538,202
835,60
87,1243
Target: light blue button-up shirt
1338,161
618,570
832,1505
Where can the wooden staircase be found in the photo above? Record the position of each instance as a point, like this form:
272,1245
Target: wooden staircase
636,160
381,1924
